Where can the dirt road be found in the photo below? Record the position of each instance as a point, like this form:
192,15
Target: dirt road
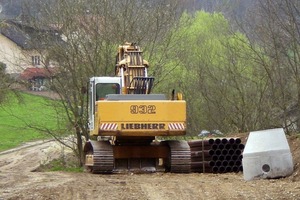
19,181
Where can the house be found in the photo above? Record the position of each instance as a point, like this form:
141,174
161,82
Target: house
38,78
23,50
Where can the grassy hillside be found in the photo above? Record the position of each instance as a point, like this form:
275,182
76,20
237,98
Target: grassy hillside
20,114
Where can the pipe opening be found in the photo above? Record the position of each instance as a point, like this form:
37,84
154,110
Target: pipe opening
266,168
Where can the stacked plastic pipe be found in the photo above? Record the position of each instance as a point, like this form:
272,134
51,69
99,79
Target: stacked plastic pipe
218,155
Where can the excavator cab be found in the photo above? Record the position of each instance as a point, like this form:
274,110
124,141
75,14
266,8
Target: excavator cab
99,88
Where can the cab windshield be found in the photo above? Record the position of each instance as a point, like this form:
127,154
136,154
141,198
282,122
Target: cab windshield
103,89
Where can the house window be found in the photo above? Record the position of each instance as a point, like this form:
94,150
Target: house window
36,60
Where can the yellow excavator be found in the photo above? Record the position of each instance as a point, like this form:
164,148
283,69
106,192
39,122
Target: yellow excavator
126,119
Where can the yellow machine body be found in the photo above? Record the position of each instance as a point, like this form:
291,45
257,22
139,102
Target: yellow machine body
140,118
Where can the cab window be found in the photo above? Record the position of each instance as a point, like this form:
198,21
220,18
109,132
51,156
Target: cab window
103,89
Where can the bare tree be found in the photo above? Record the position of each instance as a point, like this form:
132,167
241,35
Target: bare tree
221,75
274,33
91,31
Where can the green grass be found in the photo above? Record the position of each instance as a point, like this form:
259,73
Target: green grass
60,165
20,114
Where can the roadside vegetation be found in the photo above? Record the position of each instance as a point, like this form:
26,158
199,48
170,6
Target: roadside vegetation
64,163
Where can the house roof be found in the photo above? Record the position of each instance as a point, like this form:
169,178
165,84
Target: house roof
34,72
28,37
15,34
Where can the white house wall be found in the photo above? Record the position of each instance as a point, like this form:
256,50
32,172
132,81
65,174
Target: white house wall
15,58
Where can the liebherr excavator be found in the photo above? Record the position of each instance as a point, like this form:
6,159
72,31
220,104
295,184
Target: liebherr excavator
125,118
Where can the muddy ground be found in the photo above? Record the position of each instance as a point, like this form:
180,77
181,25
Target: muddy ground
19,181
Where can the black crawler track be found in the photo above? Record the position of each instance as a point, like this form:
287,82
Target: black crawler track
180,157
102,152
103,158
